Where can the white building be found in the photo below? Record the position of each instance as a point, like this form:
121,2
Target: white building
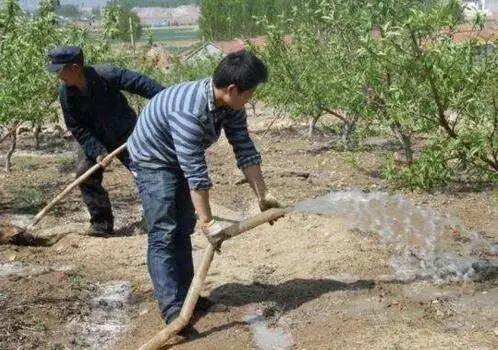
473,6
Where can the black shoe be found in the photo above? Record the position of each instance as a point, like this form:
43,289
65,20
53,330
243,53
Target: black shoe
188,331
172,317
206,305
142,225
100,229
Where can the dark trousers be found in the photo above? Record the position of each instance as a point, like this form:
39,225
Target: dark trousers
94,195
170,218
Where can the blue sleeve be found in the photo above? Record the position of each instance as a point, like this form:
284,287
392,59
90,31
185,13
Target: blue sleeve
238,135
133,82
90,144
187,134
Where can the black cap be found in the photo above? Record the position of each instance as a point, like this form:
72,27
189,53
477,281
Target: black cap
61,56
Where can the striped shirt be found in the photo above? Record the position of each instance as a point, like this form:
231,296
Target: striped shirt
180,123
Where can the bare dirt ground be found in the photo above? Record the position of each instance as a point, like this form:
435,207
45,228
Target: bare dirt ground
307,282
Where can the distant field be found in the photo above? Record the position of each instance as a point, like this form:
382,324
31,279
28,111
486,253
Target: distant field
175,40
165,34
171,34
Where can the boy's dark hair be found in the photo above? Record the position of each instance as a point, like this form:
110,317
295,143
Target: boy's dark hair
242,68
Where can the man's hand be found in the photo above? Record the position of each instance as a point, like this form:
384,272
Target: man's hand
213,230
101,161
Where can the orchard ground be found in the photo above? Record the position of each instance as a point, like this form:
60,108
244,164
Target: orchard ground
307,282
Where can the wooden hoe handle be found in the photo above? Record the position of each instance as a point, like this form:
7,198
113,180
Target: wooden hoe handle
72,185
161,338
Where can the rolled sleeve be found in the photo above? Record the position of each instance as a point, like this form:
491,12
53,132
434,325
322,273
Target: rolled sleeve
237,134
187,135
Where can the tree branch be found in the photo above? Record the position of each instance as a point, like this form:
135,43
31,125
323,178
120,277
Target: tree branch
435,92
12,130
335,114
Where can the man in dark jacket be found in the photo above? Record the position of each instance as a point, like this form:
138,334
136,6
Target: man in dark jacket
98,115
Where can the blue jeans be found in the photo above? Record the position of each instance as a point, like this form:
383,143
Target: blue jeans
170,218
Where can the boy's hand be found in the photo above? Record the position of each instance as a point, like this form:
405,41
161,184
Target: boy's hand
213,230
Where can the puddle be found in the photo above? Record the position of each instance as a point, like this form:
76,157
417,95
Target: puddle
17,268
461,309
344,278
110,314
21,220
414,233
266,338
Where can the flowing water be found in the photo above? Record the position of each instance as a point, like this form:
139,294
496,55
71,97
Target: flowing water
425,243
21,220
266,338
110,314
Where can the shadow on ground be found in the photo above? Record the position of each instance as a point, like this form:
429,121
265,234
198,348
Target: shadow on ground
287,296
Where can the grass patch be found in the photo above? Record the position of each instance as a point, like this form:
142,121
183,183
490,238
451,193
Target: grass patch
6,295
76,280
56,145
67,164
27,163
41,326
171,34
161,35
28,199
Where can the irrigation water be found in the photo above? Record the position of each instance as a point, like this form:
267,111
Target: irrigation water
425,244
267,338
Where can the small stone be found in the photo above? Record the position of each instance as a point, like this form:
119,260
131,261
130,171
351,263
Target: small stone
495,331
12,257
143,312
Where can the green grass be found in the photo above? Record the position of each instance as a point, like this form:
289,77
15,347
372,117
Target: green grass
163,34
170,34
29,199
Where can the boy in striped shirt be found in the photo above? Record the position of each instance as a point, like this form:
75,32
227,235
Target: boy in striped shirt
167,150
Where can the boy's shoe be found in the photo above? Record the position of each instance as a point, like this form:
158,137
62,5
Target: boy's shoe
188,331
206,305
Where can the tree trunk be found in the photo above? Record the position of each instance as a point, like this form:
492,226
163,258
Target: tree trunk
253,106
312,125
36,134
405,140
8,164
12,130
348,135
407,148
132,39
